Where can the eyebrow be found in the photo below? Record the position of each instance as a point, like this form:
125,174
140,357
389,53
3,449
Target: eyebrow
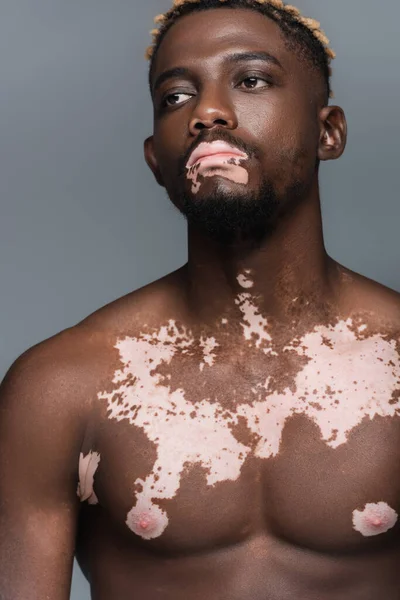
258,55
170,74
232,58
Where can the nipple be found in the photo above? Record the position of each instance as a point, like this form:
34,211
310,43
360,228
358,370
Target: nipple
144,523
374,519
147,520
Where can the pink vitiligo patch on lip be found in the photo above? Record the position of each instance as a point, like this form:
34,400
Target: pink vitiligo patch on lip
223,165
374,519
207,149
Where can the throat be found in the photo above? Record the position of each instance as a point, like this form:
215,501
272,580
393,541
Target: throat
283,287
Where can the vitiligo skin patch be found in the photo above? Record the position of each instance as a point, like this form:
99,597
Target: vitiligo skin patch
244,281
208,346
230,168
374,519
343,374
87,468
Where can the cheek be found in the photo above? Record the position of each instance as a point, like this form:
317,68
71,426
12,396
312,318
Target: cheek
169,148
287,138
284,126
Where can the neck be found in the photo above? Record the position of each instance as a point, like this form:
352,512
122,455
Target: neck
287,274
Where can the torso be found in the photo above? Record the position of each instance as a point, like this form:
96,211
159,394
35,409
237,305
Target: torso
245,463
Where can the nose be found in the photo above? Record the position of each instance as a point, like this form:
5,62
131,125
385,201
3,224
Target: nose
212,110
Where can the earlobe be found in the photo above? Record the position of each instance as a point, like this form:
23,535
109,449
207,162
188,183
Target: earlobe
151,159
333,133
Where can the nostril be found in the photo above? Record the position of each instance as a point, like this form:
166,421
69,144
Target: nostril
208,124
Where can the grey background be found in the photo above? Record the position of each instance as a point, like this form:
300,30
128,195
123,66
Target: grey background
82,221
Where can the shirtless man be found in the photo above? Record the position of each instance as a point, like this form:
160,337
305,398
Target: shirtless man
232,431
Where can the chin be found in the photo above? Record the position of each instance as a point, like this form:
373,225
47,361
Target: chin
229,217
229,212
219,189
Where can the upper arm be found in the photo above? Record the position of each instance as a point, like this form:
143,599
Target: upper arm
40,439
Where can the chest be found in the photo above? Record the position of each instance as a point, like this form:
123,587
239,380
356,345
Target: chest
192,455
186,475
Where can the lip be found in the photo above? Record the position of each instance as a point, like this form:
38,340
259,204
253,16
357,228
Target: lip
217,148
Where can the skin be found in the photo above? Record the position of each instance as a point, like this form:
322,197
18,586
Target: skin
231,430
288,123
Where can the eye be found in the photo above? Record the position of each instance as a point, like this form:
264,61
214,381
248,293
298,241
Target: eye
175,99
254,82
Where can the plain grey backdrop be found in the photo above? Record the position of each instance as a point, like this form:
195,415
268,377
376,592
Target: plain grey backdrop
82,221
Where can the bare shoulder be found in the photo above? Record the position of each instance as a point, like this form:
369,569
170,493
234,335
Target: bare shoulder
78,360
58,376
149,306
367,299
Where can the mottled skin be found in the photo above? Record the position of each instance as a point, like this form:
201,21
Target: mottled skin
297,520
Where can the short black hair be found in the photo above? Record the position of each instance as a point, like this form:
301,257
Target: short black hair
302,35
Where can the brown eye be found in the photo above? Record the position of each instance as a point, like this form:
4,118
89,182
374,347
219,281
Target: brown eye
174,99
252,83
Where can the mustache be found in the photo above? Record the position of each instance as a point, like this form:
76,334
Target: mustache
216,135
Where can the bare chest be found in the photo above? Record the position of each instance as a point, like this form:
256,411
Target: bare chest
189,452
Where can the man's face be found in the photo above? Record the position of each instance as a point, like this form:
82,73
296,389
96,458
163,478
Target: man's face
226,74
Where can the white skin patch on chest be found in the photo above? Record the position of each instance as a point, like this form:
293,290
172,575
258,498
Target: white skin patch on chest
342,381
208,346
87,468
374,519
254,324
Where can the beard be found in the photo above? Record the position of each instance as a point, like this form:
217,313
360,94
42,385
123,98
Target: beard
228,217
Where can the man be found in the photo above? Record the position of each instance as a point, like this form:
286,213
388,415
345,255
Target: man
231,431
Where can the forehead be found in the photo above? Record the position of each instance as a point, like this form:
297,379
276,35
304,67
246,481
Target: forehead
210,33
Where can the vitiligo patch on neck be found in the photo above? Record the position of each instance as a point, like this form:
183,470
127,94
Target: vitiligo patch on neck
245,281
342,379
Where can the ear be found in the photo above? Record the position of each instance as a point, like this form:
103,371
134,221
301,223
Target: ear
333,133
151,159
